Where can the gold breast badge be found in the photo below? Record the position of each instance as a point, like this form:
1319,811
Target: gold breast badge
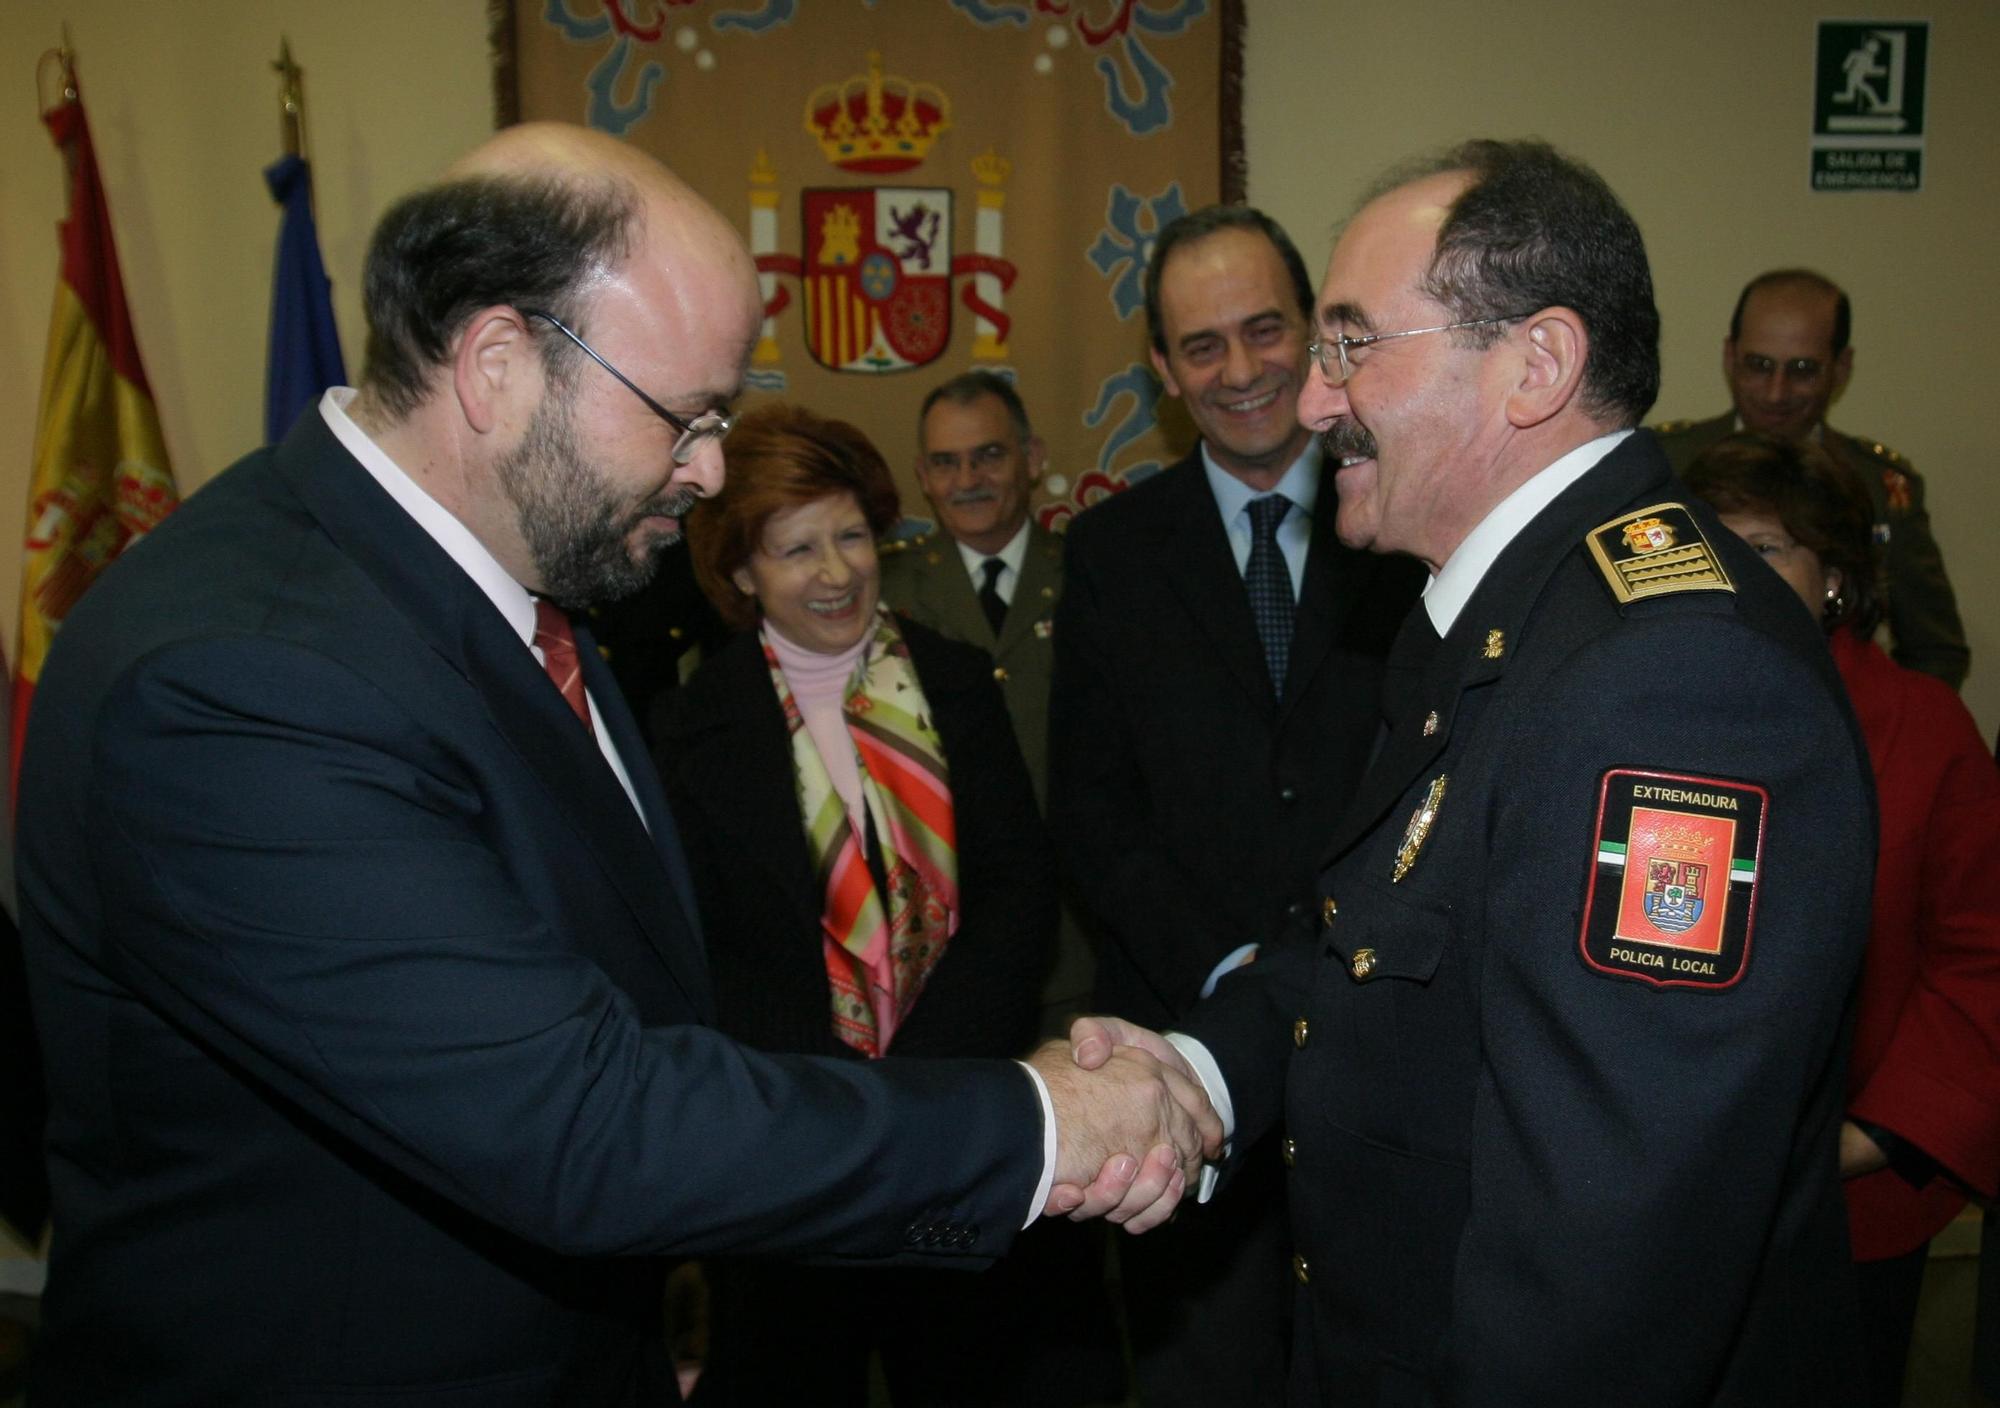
1419,829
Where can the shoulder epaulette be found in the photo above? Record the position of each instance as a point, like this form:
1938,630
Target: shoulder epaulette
1883,452
889,547
1673,427
1656,551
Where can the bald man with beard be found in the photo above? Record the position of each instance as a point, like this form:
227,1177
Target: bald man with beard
372,993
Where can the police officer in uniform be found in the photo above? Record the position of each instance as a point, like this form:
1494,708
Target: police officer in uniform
1561,1080
1786,358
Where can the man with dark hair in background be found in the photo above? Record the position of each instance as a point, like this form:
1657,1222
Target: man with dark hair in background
1562,1080
1217,687
372,995
1787,359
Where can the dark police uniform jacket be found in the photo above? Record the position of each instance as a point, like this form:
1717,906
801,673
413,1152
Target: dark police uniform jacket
1923,611
1533,1162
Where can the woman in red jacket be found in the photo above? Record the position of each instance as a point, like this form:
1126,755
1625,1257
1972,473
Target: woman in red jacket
1923,1105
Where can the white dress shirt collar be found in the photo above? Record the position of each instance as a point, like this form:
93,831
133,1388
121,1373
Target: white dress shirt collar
508,596
1300,483
1446,594
1014,554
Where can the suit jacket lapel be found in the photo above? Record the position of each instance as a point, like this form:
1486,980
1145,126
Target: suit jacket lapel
947,589
1194,557
1041,568
1325,597
447,610
745,774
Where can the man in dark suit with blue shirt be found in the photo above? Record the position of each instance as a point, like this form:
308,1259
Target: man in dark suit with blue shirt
1218,673
372,995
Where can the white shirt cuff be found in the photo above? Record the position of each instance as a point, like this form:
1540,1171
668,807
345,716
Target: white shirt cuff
1048,1143
1235,958
1217,1090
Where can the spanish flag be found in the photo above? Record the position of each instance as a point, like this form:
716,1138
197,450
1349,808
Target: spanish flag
101,478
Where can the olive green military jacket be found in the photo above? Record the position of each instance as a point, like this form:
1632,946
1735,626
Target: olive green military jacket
927,582
1922,610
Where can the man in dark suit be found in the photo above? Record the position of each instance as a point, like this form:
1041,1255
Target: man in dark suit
1562,1080
371,991
1787,359
1218,668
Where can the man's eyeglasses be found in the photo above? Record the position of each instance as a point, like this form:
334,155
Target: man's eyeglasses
709,425
1334,351
982,457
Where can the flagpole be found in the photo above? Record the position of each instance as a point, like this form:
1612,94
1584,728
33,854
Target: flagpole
291,101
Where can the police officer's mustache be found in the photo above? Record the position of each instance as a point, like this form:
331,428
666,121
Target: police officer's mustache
1347,441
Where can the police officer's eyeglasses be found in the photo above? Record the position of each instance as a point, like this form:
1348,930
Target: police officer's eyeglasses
709,425
1333,351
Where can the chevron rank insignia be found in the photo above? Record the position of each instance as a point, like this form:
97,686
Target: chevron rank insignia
1656,551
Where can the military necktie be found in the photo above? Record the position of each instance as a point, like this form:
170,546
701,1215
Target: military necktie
989,595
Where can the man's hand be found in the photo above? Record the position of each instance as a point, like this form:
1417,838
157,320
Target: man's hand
1137,1127
1859,1154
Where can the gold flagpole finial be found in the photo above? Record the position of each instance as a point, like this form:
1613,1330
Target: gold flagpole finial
62,60
291,100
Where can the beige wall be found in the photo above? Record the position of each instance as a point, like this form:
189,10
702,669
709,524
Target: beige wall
183,108
1698,115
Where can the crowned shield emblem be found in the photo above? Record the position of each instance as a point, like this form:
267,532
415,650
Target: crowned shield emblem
1648,535
877,276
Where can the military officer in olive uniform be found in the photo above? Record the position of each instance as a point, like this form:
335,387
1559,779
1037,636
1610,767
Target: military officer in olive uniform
1786,358
990,576
1561,1080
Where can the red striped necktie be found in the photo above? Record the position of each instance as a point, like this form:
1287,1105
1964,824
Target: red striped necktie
557,642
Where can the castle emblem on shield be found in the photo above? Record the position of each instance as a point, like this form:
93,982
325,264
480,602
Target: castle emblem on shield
1674,891
877,276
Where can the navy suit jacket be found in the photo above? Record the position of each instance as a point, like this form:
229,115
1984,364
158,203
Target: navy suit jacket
375,1021
1188,804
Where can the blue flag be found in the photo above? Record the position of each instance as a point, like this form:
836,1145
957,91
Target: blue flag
305,345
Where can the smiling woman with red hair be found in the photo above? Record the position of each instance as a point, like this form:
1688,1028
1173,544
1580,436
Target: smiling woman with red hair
873,879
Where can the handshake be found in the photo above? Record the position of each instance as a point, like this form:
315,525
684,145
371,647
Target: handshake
1133,1123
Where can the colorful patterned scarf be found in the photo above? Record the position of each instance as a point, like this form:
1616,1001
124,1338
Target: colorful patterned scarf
877,962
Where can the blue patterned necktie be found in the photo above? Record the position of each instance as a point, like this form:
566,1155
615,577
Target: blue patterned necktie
1270,584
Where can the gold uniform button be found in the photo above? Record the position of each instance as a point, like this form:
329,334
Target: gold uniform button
1327,910
675,633
1289,1151
1000,673
1299,1030
1364,964
1300,1270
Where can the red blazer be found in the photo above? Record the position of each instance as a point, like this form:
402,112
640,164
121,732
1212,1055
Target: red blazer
1926,1061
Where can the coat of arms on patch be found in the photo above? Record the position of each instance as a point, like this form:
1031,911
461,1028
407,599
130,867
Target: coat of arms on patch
1673,883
